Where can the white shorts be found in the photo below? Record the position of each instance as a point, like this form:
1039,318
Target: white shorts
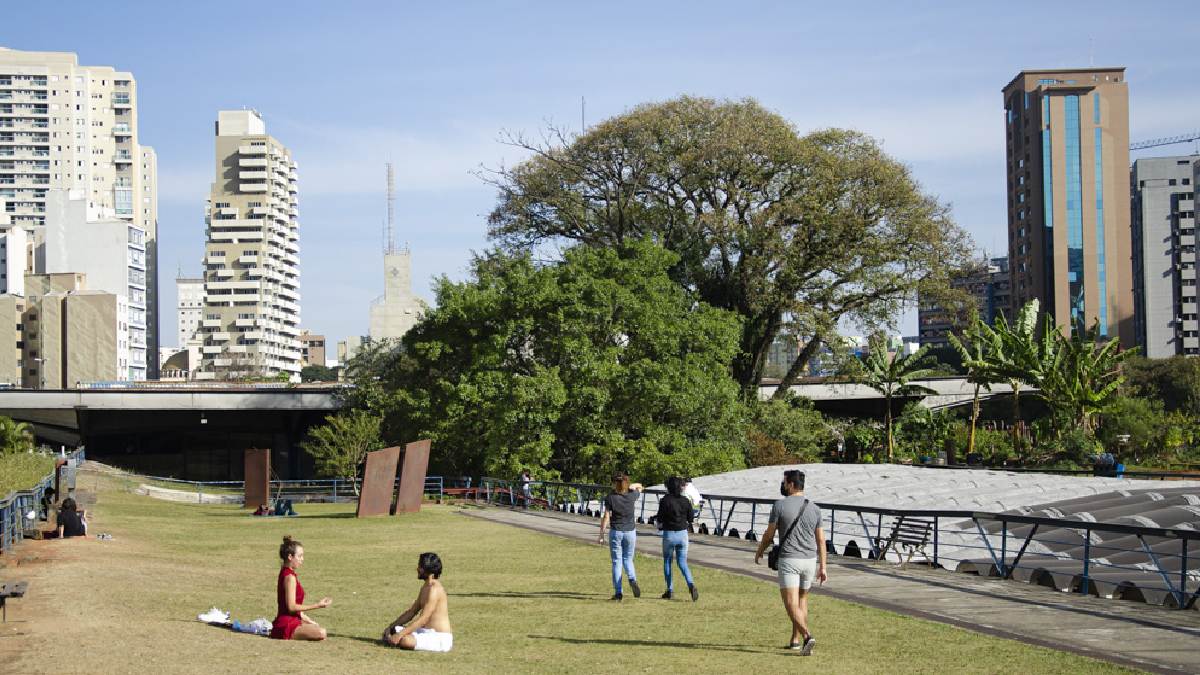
797,572
429,640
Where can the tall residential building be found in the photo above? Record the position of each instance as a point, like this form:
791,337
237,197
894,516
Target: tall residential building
1164,255
14,249
111,254
64,126
251,261
1069,240
398,310
190,307
988,282
312,349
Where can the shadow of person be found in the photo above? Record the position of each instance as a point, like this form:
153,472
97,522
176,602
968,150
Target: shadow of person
533,595
706,646
371,641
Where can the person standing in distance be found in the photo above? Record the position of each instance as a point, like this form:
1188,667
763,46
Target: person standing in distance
801,554
619,507
674,516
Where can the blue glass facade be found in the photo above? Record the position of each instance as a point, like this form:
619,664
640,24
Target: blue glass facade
1047,193
1101,267
1074,195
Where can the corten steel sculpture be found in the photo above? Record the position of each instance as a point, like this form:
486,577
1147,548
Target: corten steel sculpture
412,477
378,484
257,477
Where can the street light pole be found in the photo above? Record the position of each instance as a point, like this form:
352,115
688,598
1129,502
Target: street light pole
41,372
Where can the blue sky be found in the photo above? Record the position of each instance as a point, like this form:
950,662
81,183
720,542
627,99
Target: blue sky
351,85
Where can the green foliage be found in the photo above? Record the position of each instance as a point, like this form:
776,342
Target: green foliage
318,373
892,376
921,431
15,437
766,223
340,446
574,369
787,431
1174,381
1080,375
863,439
21,471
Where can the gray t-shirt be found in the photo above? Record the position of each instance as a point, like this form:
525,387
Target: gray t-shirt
803,541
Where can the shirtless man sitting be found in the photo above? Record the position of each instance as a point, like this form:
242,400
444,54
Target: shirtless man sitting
425,626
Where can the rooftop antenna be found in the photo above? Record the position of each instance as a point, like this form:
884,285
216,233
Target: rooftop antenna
582,115
389,245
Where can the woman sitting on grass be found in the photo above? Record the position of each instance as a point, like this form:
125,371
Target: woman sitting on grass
71,521
292,623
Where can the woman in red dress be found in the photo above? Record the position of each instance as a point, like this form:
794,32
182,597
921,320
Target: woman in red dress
292,623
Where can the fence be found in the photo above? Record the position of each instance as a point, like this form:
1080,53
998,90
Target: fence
1157,565
15,507
330,489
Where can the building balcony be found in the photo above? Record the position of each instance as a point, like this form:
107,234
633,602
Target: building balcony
222,362
219,337
252,187
256,176
204,376
212,349
210,323
223,274
260,163
121,101
123,157
1187,240
122,130
244,323
1188,273
252,150
248,259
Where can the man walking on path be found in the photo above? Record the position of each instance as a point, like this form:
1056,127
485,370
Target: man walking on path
801,554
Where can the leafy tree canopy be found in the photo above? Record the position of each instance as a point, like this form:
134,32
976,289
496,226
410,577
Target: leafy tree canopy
774,226
575,369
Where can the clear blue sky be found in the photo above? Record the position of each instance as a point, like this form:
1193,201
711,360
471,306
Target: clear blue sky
350,85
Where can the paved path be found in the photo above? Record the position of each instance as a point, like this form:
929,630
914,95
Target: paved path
1129,633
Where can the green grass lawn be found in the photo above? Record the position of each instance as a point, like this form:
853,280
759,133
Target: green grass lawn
22,471
519,601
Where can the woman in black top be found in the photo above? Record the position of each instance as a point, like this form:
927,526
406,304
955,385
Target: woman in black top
674,516
71,522
619,507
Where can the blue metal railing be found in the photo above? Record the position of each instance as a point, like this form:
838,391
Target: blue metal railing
997,542
16,506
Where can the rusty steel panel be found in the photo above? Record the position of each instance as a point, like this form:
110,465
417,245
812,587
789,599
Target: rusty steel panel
379,479
412,477
257,477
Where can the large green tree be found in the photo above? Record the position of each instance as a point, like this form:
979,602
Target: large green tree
574,369
774,226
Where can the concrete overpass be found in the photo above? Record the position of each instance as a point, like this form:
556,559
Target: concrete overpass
850,397
189,432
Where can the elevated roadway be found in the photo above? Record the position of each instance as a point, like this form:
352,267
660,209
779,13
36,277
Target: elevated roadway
854,397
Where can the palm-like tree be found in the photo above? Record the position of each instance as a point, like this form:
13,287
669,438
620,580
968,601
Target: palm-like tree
892,376
1083,376
1018,357
15,436
975,350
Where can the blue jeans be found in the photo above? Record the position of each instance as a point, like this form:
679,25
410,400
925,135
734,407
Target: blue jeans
620,548
675,543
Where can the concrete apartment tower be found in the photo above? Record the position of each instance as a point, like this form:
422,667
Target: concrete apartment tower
189,292
251,261
75,128
1164,255
1067,140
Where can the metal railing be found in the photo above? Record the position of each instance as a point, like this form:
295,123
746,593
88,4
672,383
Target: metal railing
325,489
1073,555
15,507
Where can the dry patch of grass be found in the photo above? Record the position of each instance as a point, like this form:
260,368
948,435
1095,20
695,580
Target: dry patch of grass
21,471
520,602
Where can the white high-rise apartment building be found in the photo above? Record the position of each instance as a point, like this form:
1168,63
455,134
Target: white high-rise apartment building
69,127
190,294
251,261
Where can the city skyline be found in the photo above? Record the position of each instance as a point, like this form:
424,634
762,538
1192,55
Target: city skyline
432,92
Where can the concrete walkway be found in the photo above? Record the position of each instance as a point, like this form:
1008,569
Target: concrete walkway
1128,633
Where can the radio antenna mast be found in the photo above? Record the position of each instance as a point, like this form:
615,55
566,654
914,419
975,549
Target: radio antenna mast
390,240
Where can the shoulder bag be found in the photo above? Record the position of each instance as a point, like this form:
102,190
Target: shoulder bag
773,554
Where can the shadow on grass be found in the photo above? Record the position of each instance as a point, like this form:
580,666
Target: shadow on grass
371,641
706,646
566,595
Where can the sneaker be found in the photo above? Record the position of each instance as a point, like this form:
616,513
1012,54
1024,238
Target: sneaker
794,646
637,590
695,593
666,596
806,650
616,597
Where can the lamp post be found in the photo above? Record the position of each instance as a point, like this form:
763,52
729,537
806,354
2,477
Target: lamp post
41,372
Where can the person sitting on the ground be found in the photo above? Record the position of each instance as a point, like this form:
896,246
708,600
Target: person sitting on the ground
283,507
47,503
425,626
71,521
263,510
291,622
